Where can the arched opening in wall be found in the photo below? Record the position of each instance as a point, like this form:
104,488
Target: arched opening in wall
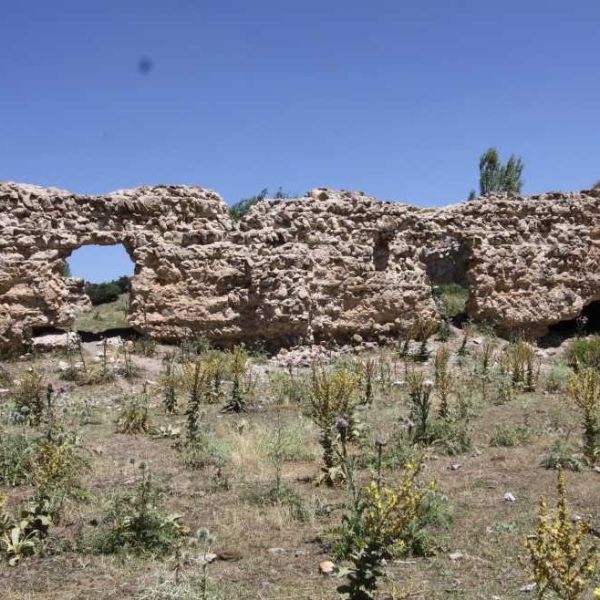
587,323
107,272
381,253
447,271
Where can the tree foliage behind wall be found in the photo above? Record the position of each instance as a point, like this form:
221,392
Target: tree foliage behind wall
239,209
109,291
495,176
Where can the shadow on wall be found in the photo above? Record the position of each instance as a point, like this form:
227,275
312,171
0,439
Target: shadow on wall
381,253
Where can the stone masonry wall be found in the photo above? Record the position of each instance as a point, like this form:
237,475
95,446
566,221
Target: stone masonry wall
329,265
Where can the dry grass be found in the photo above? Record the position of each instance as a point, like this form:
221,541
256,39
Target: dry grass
266,551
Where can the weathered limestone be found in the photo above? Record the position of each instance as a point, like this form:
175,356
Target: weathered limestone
331,264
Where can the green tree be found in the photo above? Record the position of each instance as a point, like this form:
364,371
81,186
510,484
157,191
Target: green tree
494,176
239,209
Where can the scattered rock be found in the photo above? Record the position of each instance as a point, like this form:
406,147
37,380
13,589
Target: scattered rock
510,497
54,341
327,567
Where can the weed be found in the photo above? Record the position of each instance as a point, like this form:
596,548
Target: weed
169,381
382,524
332,397
583,353
137,522
584,390
558,558
557,378
419,391
15,453
133,416
442,380
238,365
508,435
29,397
563,455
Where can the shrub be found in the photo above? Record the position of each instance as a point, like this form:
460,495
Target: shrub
521,364
583,353
57,463
450,437
495,176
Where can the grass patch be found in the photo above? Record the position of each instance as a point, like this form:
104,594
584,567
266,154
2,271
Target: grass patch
111,315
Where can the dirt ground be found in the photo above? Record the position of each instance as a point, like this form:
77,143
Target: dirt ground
266,550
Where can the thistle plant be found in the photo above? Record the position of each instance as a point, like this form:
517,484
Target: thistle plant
169,381
442,380
332,395
368,376
486,355
238,367
196,384
584,390
558,558
384,371
419,392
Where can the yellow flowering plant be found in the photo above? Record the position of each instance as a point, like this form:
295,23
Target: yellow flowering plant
584,390
559,560
383,523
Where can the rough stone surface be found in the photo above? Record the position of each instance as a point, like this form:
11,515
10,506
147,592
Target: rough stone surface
330,265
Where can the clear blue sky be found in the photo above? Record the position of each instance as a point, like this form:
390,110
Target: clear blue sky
391,97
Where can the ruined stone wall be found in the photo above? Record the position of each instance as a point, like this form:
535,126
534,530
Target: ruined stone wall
332,264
